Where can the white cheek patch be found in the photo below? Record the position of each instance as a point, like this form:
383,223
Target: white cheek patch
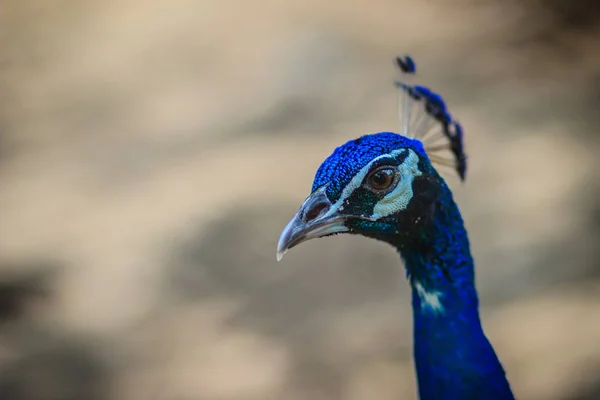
429,300
398,199
358,179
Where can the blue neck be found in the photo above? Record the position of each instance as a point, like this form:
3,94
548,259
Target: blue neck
453,357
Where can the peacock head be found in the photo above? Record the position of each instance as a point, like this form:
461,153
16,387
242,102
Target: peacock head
383,185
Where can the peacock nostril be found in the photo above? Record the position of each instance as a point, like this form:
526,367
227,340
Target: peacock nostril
315,211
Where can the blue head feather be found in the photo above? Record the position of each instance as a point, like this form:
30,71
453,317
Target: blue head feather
345,162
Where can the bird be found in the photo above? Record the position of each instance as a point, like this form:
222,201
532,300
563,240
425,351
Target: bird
385,186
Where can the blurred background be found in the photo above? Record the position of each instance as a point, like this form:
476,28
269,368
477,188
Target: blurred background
152,151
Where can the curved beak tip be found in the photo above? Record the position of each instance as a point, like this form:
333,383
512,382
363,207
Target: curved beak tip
280,254
283,245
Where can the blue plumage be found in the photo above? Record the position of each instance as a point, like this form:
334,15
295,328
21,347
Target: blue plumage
384,186
453,357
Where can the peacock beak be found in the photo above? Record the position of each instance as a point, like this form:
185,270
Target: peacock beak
315,218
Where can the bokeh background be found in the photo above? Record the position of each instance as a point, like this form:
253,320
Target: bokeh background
152,151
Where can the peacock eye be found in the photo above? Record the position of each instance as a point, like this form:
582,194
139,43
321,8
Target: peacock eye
382,179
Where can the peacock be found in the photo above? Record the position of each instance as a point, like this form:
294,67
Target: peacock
384,186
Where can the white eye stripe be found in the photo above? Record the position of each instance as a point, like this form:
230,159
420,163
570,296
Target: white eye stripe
356,182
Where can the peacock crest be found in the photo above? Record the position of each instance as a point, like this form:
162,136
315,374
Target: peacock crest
423,116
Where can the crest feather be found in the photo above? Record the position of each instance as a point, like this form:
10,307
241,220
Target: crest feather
423,116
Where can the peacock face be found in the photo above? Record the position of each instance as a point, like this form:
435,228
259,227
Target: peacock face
379,186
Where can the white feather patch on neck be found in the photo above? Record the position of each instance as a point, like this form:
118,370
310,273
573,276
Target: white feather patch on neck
429,300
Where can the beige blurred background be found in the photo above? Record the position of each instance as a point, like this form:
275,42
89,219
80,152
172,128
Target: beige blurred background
152,151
